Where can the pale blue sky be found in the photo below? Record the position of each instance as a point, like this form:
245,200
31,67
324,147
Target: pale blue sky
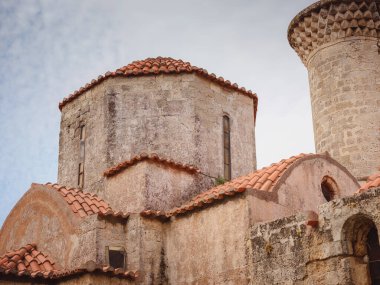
49,48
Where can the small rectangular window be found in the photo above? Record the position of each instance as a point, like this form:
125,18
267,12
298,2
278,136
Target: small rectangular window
81,175
116,256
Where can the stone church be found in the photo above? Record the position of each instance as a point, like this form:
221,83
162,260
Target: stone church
157,179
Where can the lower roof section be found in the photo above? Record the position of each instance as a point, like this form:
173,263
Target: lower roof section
267,179
29,263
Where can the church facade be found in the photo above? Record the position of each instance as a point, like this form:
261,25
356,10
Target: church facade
158,184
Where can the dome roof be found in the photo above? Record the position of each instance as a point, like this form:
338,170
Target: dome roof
155,66
329,20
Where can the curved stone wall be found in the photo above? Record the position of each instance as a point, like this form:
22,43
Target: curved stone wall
177,116
337,41
330,20
42,217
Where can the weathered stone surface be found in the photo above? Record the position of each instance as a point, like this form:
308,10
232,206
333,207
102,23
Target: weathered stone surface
151,186
91,278
345,92
176,116
42,216
300,189
337,41
209,247
283,234
212,246
286,251
145,249
327,21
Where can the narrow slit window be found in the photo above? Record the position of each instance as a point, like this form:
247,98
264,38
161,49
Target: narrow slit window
81,175
116,257
82,142
82,135
227,147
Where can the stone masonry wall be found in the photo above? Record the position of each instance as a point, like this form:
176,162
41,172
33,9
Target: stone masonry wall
337,42
209,247
300,190
42,217
145,250
92,278
180,117
83,279
151,186
345,95
287,251
89,110
175,116
211,102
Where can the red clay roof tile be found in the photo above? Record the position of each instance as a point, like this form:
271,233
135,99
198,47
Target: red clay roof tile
79,202
259,180
159,65
154,158
34,264
28,260
372,182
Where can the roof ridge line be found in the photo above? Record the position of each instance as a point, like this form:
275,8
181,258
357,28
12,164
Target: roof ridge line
42,272
155,66
257,180
101,207
153,157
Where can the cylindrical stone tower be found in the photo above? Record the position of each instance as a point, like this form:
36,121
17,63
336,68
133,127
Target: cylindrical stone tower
338,41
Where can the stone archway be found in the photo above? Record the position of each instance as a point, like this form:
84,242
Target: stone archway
361,243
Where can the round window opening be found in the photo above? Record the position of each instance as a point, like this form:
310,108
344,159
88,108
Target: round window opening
329,188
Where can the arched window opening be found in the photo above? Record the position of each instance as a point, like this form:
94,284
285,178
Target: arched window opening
329,188
373,249
361,241
227,147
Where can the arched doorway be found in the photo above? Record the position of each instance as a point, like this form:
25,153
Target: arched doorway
373,249
361,242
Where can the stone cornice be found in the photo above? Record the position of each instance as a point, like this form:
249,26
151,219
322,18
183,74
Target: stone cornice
330,20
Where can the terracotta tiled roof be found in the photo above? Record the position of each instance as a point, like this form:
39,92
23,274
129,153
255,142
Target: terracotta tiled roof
264,179
152,158
85,204
29,262
159,65
372,182
91,266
